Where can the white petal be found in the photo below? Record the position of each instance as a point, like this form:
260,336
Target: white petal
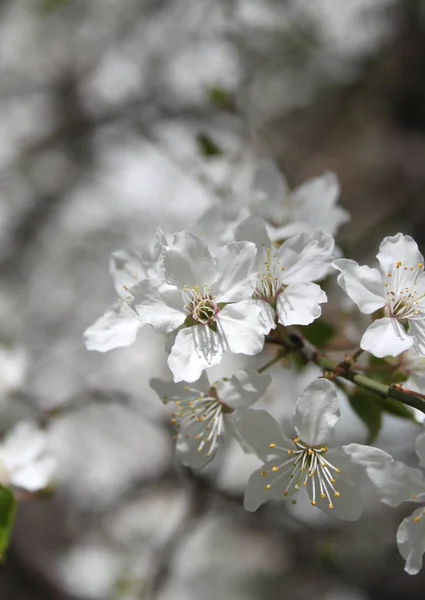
23,444
257,491
187,447
348,506
253,229
126,269
240,327
299,304
306,257
158,304
385,337
398,248
362,284
236,278
243,388
420,448
316,412
259,429
117,328
34,476
267,316
268,193
170,391
395,483
411,541
195,349
417,331
188,262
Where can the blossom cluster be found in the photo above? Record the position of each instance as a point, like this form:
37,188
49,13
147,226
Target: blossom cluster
253,278
248,277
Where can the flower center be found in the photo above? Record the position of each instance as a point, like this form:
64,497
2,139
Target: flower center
201,418
269,283
402,295
306,464
200,305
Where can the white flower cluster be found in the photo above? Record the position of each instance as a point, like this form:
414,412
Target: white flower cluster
211,299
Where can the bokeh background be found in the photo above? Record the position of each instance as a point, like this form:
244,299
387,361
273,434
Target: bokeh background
117,116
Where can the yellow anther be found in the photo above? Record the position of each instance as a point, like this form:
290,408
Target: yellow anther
389,274
297,439
323,449
272,446
186,388
331,505
290,452
337,494
313,503
267,487
337,471
310,451
285,493
275,469
398,264
322,495
420,266
417,519
294,501
333,481
263,473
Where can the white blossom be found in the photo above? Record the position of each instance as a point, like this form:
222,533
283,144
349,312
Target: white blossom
398,483
206,411
285,275
25,461
398,288
208,299
333,477
120,324
311,206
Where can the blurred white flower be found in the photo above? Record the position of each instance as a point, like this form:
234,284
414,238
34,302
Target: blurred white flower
285,274
399,289
206,411
13,369
333,476
207,299
311,206
25,461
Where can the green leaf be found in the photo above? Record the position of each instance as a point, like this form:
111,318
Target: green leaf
7,518
221,98
384,370
367,408
396,408
207,146
319,333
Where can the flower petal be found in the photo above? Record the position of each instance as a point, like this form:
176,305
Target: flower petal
268,193
306,257
243,388
158,304
395,483
348,506
241,328
398,248
299,304
316,412
411,541
195,349
253,229
236,277
417,331
362,284
259,429
262,488
385,337
170,391
126,269
188,262
34,476
117,328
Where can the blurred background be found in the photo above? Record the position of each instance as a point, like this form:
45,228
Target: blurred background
117,116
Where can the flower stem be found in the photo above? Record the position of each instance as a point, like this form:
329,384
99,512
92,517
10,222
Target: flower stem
272,361
296,345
